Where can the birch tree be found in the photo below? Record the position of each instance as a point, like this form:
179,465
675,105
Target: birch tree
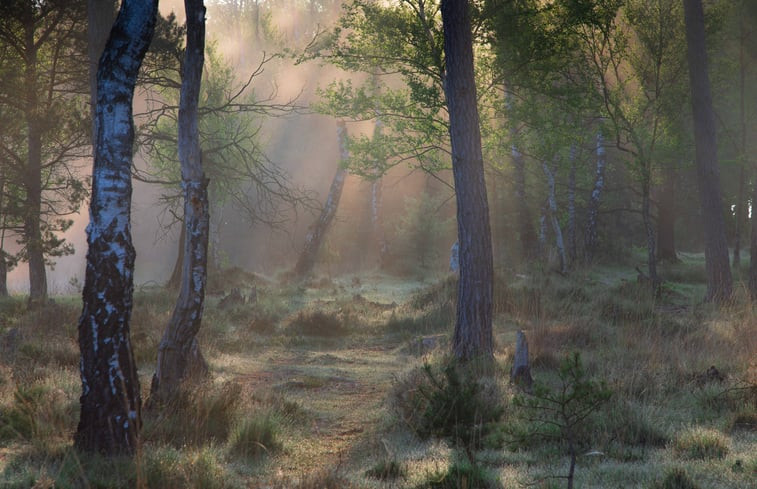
178,353
110,416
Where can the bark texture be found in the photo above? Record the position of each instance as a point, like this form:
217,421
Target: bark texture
666,218
572,244
591,241
552,203
318,230
473,327
520,374
175,280
719,280
110,402
179,355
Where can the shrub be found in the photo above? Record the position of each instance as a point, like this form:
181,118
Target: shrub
210,408
448,402
317,323
700,443
387,470
676,478
462,474
255,436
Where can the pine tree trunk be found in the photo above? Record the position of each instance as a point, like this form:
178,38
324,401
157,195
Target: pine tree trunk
473,327
552,201
33,178
318,230
719,280
110,416
592,236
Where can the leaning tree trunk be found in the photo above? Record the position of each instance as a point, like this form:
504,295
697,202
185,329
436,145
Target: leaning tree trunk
666,219
592,236
110,416
473,327
552,202
318,230
179,356
719,280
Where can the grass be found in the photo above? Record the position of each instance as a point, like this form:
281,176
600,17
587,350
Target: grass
324,387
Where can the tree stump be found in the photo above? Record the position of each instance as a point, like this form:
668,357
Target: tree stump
520,374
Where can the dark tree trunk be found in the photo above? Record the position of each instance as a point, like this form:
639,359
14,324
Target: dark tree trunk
719,281
100,14
592,235
741,199
175,281
666,218
33,177
3,263
753,245
3,274
473,328
377,221
110,416
318,230
646,217
179,355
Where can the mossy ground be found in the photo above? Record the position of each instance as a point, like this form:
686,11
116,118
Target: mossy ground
324,401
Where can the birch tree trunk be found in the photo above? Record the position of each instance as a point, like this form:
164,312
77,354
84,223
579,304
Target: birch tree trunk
110,416
318,230
649,227
592,236
473,327
175,280
719,280
179,355
552,202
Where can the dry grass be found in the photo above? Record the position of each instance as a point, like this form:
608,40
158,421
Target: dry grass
300,395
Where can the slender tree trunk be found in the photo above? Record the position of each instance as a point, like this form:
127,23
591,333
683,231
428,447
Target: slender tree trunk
3,263
377,217
646,217
473,328
175,281
528,240
110,416
741,201
179,356
719,281
318,230
572,245
591,244
666,218
33,178
753,245
552,202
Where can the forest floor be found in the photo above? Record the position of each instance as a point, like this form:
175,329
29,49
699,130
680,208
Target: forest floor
323,385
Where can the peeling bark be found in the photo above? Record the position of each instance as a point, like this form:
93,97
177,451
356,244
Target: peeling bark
318,230
719,280
473,327
179,356
110,416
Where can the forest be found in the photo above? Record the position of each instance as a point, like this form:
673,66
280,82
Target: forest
348,244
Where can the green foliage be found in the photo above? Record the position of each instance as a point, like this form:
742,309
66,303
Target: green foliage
38,413
449,402
676,478
212,409
387,470
699,443
255,435
459,475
